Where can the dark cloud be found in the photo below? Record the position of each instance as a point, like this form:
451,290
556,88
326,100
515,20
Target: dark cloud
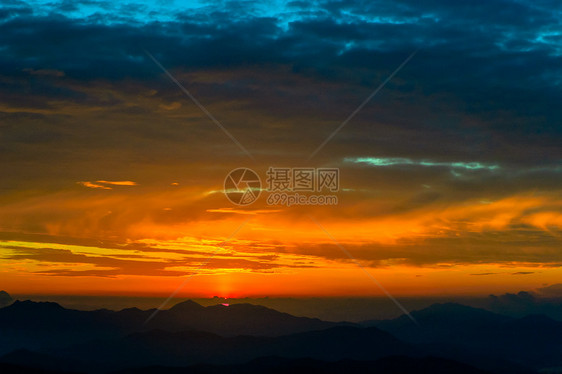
505,249
466,57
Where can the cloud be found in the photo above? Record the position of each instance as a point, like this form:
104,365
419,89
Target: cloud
404,161
455,161
331,62
118,183
172,106
456,167
105,185
243,211
165,259
94,185
46,72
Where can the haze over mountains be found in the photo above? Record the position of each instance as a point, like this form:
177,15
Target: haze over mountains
546,300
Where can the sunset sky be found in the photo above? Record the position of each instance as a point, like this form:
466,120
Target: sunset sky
112,177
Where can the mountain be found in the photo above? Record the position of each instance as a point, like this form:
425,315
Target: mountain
5,299
19,369
32,325
166,348
236,319
441,322
48,336
445,314
38,361
481,337
276,365
38,326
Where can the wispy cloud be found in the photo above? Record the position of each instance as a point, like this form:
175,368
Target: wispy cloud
118,183
243,211
94,185
105,185
396,161
158,258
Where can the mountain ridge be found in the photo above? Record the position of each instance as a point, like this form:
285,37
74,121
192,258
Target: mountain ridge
189,333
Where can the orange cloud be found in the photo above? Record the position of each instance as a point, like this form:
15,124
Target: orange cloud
118,183
94,185
105,185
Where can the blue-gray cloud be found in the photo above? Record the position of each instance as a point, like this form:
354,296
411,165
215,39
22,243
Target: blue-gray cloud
484,87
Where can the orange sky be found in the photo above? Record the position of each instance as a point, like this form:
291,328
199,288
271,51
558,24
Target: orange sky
122,241
112,175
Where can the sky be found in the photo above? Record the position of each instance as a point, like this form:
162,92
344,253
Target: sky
113,177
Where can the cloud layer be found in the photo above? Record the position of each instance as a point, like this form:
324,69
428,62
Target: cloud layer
455,162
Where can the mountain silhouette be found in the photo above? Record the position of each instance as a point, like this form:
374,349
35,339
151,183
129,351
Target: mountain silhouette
481,337
38,361
47,336
36,325
5,299
165,348
20,369
276,365
440,321
236,319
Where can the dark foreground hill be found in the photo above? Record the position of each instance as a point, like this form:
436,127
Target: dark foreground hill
275,365
166,348
37,326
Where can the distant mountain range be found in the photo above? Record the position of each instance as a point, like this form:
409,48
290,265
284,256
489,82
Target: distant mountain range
33,325
481,337
49,337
